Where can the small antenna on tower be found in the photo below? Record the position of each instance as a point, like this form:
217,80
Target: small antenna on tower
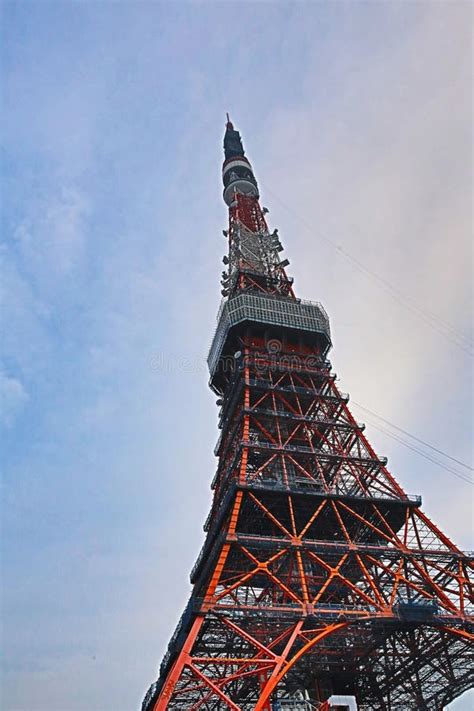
229,122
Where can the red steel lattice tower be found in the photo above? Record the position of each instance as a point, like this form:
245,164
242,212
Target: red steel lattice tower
319,575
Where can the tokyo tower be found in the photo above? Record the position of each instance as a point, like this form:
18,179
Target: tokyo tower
319,576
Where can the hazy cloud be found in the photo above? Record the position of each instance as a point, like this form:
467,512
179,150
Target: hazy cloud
52,240
13,397
357,117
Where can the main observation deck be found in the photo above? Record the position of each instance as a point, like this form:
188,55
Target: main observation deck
277,311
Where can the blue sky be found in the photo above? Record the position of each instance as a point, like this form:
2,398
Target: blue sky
357,119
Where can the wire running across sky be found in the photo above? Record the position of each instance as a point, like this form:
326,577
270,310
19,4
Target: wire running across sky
452,334
409,445
417,439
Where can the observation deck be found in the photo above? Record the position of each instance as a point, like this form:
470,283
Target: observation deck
280,312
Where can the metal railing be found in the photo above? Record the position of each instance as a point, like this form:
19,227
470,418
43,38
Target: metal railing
292,705
283,312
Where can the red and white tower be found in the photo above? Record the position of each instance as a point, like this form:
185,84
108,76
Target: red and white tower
319,575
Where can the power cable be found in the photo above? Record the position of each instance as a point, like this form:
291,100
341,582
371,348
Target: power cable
430,319
421,453
417,439
451,334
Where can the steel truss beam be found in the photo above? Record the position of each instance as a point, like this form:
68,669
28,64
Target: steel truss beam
318,568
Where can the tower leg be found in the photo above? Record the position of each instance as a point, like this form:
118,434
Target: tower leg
178,666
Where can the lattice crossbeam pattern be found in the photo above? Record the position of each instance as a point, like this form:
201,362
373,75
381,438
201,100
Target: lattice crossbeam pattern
319,574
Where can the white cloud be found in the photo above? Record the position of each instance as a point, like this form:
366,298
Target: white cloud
53,236
13,397
371,154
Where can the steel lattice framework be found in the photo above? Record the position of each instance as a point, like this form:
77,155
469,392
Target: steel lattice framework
319,574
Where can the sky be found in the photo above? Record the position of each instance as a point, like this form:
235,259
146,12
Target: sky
357,119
